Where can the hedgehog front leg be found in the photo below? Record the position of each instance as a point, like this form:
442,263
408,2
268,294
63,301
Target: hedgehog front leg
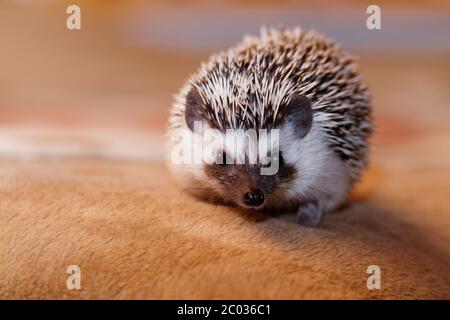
309,214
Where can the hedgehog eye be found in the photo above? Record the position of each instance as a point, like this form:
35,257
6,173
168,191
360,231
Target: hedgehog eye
221,158
275,158
278,158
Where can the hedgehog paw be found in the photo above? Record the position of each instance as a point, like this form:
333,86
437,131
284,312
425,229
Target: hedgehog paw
309,214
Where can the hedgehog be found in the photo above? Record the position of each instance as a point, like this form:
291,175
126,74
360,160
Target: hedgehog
297,82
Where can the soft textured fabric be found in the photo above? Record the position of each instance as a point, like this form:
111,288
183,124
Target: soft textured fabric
135,235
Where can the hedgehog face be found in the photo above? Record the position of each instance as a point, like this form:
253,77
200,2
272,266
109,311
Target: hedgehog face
234,176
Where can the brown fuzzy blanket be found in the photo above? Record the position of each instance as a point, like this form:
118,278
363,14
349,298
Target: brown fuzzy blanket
134,235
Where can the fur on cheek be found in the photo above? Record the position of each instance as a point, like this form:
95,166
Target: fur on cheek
320,172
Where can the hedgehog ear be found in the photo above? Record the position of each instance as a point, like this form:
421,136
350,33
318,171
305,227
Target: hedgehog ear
299,115
192,113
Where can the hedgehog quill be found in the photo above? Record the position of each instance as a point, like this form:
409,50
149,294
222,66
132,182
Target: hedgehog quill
300,83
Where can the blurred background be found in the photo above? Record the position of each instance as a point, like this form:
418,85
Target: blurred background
105,90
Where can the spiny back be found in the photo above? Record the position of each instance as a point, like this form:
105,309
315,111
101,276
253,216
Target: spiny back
250,85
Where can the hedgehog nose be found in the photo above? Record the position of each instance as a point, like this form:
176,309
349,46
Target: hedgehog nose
254,198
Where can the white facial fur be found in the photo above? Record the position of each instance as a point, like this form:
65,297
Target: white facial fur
321,174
